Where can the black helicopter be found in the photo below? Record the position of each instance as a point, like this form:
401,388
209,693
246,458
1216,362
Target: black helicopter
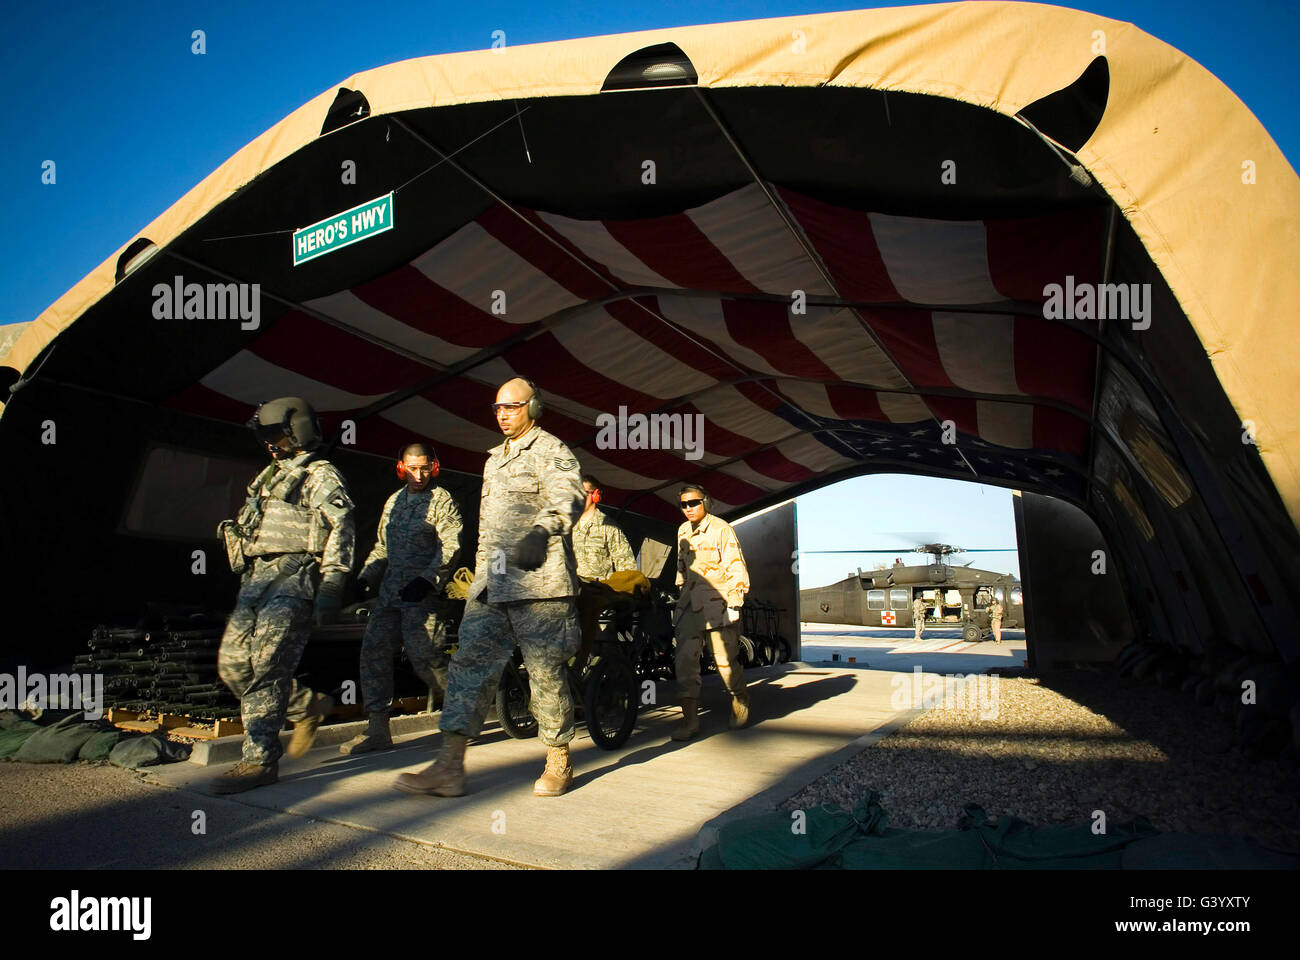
954,596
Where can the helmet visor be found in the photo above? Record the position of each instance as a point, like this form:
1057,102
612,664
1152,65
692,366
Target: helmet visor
270,433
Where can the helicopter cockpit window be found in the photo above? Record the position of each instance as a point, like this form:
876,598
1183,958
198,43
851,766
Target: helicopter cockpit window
983,599
900,599
1017,596
875,599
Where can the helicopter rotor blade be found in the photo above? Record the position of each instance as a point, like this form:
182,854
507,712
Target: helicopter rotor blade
922,550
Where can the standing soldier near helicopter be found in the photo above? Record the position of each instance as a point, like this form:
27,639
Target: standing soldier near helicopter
995,618
293,541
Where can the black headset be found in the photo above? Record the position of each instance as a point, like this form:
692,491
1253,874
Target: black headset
704,494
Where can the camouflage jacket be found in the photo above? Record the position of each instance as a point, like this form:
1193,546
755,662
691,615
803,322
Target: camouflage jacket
297,507
600,547
710,568
535,483
418,534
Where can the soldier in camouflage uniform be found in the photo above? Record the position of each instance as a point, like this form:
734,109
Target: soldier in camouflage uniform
918,618
713,579
419,541
599,546
601,550
523,594
293,542
995,618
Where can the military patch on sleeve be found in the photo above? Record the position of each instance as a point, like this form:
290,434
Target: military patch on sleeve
562,464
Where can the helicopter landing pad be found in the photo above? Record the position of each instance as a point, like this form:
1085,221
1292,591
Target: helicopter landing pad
940,649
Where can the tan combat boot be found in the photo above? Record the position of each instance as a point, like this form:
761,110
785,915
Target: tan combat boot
557,776
733,682
245,776
304,731
690,719
445,777
376,737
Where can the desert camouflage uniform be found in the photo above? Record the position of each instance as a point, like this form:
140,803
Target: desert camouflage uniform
600,548
918,618
527,482
298,529
711,572
417,533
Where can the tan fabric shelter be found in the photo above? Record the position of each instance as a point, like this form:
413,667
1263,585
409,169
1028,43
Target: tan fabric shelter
1171,150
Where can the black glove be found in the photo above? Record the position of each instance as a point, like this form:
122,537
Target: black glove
531,552
329,602
416,590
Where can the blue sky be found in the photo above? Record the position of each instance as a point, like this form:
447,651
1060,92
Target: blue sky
113,95
897,512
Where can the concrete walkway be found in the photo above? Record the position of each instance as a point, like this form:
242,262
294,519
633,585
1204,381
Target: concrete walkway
642,806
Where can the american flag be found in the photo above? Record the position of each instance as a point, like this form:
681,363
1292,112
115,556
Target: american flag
786,395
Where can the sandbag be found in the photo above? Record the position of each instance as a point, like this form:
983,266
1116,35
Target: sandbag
147,751
101,744
14,734
60,742
833,838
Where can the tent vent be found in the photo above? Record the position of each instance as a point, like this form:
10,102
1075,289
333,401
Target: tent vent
1070,115
663,65
140,250
349,106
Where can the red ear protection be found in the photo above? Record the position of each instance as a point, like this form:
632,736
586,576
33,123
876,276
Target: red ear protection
595,495
402,473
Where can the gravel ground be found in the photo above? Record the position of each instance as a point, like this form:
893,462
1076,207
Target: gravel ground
97,816
1046,757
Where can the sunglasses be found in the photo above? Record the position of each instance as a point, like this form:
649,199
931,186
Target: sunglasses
687,504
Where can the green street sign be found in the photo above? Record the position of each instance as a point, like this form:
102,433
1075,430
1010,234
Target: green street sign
333,233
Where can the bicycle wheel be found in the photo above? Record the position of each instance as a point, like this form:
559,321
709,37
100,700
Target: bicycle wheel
611,700
513,695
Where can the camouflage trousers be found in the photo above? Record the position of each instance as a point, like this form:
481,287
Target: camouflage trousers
725,644
917,627
546,631
421,633
259,653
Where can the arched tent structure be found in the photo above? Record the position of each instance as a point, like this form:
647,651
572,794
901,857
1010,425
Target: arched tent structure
829,238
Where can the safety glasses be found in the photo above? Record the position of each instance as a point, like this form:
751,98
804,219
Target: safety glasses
688,504
509,407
